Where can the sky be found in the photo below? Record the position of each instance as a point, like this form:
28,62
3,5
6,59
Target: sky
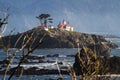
89,16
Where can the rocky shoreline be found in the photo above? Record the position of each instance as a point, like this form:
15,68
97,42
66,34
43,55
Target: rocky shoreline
37,65
64,69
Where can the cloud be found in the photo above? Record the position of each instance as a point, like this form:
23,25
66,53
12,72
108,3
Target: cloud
83,15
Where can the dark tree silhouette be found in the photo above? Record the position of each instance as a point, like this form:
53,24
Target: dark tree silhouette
44,19
4,21
2,24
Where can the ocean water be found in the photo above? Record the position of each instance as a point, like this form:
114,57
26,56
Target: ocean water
50,77
62,56
39,77
115,52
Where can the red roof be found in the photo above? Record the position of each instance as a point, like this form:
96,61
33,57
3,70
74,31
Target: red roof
63,25
41,27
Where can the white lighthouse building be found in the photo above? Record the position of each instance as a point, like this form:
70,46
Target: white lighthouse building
65,26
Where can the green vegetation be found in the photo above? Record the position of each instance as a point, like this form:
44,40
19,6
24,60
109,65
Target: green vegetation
44,19
52,30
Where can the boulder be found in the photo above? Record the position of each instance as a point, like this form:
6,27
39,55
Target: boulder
88,62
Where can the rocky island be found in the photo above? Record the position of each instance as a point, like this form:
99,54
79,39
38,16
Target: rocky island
57,38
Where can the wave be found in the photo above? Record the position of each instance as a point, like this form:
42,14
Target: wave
38,65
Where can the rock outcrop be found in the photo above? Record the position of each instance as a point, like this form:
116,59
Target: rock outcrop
56,38
87,62
115,65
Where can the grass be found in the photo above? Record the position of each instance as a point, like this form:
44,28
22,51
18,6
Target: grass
28,41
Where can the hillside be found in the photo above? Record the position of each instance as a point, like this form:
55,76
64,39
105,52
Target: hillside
56,38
